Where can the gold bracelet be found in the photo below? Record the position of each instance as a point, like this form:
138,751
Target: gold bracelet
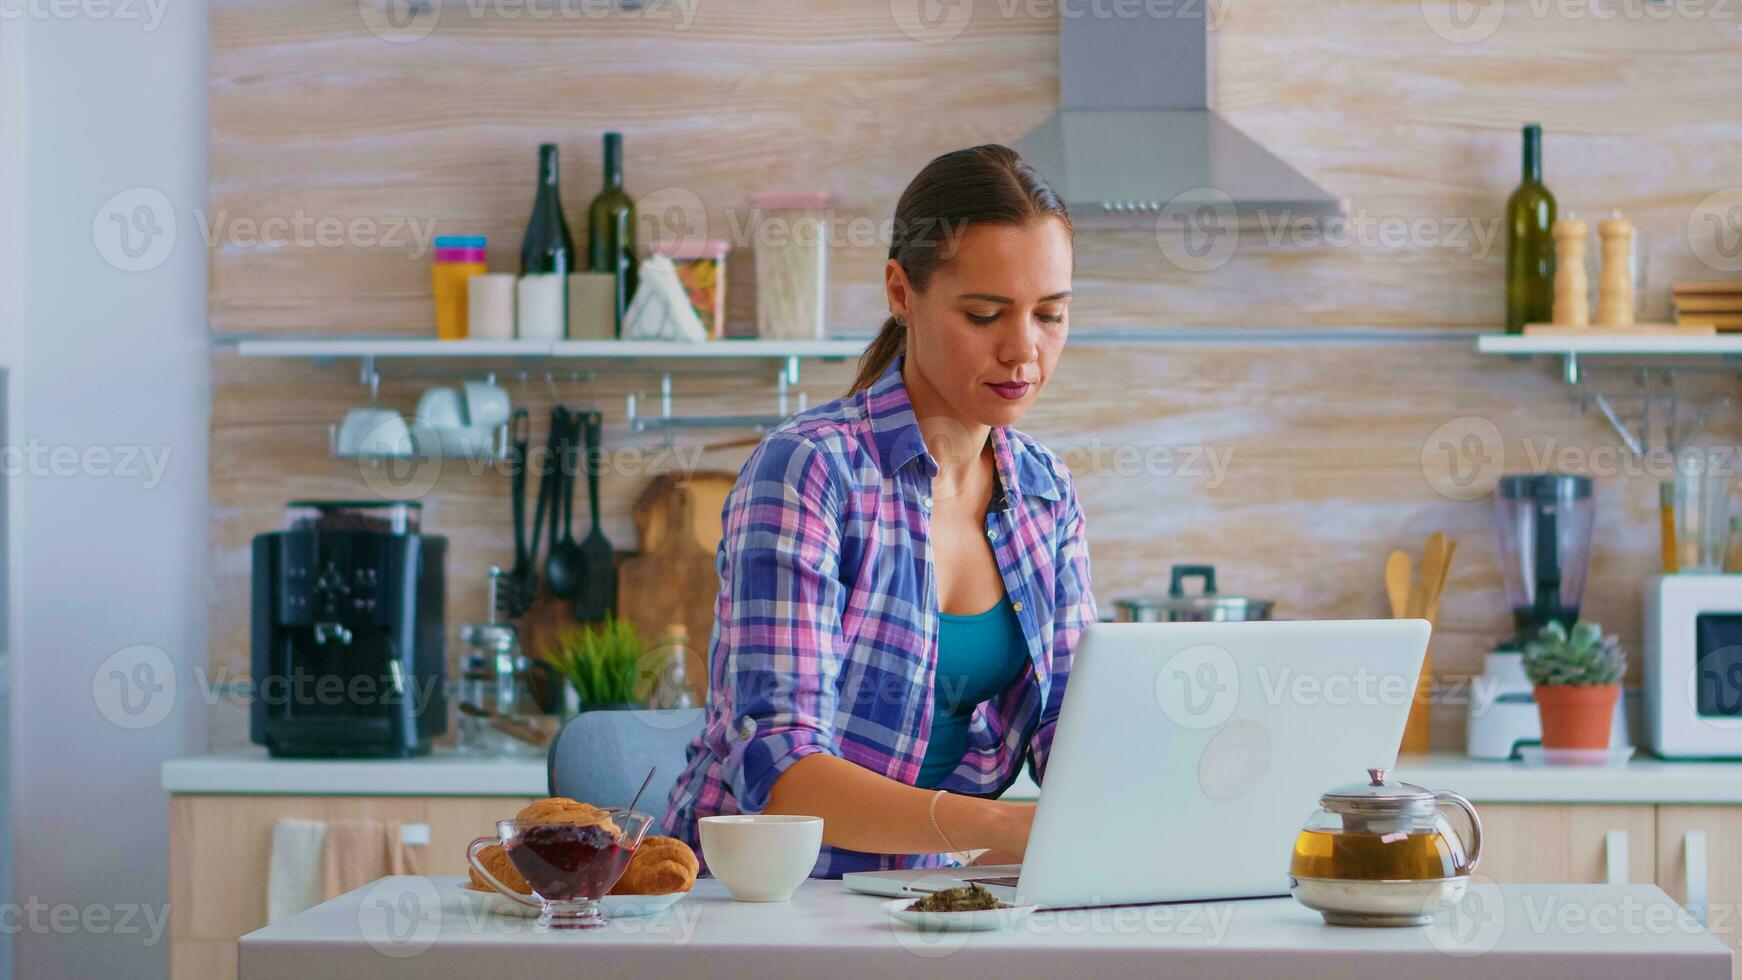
948,845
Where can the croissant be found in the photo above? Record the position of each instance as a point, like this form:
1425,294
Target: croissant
561,809
660,866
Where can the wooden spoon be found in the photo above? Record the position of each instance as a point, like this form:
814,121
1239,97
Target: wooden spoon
1445,573
1433,567
1397,576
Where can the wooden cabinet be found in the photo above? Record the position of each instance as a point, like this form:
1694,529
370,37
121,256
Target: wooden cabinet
1568,843
220,850
1699,862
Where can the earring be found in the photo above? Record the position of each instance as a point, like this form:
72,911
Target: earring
900,321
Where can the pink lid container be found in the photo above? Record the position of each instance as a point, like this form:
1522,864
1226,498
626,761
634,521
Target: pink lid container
690,250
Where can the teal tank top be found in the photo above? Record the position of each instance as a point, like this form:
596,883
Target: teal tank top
978,657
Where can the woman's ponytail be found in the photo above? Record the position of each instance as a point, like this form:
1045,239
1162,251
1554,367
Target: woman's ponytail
890,343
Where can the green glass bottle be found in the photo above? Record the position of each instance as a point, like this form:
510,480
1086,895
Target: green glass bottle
1530,215
611,227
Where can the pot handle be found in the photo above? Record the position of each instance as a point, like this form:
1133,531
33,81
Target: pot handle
472,850
1176,583
1472,845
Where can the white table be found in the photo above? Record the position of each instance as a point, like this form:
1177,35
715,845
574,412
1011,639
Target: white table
423,928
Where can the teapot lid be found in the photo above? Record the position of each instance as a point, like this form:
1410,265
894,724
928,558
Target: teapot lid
1378,795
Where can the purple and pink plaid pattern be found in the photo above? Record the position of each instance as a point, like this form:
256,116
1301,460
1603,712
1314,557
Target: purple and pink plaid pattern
826,627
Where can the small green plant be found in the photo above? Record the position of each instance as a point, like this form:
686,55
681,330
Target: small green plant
602,662
1556,658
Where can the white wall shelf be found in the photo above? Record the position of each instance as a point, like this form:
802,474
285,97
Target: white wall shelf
1640,346
569,349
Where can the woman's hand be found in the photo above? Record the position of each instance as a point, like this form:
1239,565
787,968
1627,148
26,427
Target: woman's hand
1007,828
864,811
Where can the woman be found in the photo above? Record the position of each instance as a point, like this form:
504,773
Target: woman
903,577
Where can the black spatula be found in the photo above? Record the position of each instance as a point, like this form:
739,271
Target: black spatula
596,590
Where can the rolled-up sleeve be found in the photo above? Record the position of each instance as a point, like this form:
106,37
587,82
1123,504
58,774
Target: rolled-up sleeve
780,614
1073,611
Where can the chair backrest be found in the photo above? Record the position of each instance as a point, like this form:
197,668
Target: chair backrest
601,757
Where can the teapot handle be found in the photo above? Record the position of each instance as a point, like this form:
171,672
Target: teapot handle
1473,846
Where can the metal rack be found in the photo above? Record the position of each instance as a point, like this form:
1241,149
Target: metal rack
1652,369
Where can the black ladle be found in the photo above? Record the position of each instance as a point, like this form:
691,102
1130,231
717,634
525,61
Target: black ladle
562,571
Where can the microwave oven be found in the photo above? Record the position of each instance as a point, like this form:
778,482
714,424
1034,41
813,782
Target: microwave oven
1692,671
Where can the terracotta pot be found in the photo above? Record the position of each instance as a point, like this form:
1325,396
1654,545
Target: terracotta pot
1577,716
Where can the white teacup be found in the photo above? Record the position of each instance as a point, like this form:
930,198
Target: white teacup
442,408
486,405
761,857
373,432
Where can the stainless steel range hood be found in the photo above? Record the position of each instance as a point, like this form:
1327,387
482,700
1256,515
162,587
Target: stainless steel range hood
1134,129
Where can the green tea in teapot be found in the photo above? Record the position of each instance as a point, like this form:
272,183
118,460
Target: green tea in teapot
1367,856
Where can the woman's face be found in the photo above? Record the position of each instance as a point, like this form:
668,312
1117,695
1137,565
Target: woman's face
984,336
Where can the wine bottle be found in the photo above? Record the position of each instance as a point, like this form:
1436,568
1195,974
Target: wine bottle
611,225
547,248
1530,216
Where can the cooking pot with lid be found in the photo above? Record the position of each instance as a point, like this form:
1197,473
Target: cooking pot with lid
1207,606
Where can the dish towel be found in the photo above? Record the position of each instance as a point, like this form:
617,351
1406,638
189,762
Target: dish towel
357,852
293,881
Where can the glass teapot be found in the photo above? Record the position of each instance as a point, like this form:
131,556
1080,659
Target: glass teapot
1386,830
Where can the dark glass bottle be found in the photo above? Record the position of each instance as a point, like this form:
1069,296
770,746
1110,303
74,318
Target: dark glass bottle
1530,214
611,227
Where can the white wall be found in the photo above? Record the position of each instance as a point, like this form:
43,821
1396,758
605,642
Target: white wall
110,564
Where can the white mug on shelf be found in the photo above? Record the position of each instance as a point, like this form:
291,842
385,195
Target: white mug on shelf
373,432
542,303
441,408
486,404
490,306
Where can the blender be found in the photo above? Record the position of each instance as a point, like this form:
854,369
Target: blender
1544,521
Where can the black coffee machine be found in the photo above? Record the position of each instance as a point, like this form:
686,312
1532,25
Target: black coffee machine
348,636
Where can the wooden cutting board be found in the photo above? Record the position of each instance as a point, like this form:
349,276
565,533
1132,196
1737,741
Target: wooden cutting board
709,489
673,582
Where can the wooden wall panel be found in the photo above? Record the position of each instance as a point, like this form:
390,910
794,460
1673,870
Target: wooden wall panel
313,117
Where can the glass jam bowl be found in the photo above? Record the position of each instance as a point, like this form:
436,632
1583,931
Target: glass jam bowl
570,866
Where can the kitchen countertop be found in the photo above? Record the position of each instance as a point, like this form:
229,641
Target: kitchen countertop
250,771
424,928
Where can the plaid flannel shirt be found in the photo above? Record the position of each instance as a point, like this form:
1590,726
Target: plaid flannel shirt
826,626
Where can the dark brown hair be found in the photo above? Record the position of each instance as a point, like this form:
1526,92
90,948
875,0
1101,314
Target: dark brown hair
987,184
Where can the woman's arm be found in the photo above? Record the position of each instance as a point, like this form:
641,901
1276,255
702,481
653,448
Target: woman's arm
863,811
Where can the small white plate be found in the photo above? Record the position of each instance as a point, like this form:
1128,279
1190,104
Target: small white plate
1001,920
615,906
1536,755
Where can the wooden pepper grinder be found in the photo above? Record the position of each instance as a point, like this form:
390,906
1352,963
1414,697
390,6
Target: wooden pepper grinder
1572,288
1615,282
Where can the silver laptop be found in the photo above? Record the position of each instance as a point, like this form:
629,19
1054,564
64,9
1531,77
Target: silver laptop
1188,755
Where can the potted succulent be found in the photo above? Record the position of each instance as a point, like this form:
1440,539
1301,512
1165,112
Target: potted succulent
602,663
1577,678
